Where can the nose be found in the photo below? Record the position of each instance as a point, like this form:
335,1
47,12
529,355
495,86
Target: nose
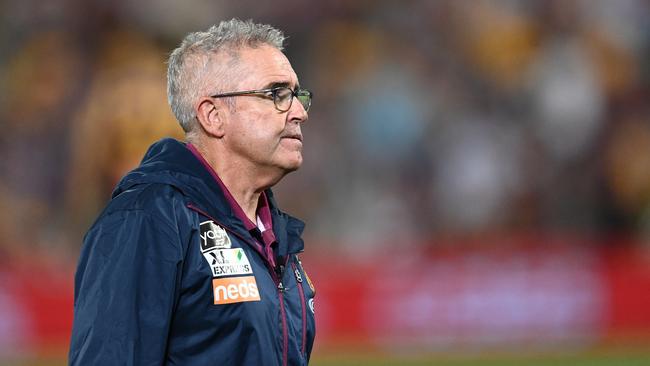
297,112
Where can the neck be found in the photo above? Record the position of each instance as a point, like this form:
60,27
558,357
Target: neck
244,182
246,194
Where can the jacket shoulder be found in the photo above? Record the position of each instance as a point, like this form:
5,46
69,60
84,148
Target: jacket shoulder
163,202
149,197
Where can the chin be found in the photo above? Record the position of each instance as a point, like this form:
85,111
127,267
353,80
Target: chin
280,171
292,165
287,163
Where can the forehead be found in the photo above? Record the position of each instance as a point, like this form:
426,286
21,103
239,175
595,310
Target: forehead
262,66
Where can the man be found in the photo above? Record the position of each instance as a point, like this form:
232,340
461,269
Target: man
192,263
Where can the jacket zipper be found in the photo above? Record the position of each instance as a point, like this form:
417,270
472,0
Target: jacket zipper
276,279
303,306
285,336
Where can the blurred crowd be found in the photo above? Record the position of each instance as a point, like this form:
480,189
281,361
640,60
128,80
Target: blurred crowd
430,118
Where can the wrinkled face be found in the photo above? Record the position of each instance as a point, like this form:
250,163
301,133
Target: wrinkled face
255,130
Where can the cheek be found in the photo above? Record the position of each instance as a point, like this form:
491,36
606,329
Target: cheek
259,131
264,128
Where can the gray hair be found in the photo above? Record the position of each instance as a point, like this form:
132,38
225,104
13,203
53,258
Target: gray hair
188,64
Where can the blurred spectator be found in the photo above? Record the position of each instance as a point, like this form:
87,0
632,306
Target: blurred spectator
568,100
126,110
477,174
628,167
42,85
499,40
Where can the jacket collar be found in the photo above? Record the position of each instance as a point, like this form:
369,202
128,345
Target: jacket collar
169,161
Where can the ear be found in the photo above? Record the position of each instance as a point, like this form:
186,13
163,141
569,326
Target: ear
211,116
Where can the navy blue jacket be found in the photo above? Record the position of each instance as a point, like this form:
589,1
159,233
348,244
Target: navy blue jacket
169,276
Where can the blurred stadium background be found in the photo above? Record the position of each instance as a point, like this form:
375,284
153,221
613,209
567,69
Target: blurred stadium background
477,177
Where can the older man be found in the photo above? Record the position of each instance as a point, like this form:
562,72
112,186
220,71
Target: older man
192,263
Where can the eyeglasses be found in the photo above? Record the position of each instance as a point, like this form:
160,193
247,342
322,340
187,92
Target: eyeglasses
282,96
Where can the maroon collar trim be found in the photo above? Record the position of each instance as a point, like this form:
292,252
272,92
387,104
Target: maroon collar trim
263,208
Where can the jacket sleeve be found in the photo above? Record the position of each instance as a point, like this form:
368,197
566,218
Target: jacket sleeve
125,290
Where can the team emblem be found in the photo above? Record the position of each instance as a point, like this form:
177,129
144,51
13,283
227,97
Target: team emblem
311,306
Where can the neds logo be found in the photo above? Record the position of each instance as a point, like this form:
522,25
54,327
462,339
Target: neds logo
235,289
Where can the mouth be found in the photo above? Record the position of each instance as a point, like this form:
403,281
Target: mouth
296,136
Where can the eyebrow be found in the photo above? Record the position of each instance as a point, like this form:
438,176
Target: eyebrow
278,84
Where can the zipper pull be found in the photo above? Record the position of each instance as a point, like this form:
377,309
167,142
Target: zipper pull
280,287
298,276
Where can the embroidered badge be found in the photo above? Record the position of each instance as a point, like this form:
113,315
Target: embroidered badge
311,306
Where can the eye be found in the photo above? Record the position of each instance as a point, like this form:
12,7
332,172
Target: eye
282,93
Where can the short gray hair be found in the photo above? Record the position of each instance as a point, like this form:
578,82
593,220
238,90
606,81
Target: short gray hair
188,63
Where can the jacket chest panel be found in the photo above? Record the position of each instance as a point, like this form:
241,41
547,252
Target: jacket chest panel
231,273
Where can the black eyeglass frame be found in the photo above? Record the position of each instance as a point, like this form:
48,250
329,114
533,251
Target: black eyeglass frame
274,95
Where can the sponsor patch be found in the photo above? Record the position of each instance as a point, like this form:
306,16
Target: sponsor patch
311,306
235,289
213,236
226,262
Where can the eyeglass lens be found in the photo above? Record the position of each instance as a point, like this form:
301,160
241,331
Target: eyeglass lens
284,98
